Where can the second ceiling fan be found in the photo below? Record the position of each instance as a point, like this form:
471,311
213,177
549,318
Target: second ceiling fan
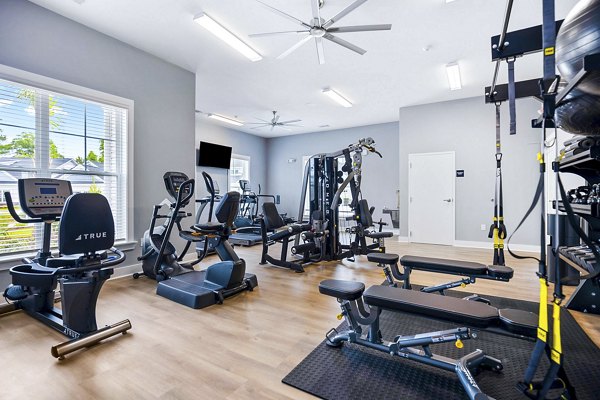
274,123
320,29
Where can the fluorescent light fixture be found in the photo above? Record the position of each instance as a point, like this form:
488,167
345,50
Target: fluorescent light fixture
222,33
449,1
225,119
338,98
453,72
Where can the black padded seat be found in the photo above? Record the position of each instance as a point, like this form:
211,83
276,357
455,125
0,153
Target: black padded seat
383,258
208,227
344,290
379,235
444,266
452,309
500,271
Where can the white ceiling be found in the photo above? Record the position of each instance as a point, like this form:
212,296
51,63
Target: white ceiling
395,72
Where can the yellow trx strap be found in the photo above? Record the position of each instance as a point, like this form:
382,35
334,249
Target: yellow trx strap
542,332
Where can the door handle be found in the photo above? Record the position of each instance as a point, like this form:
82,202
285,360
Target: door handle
448,200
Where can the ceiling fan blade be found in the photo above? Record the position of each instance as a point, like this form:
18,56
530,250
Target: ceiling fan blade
360,28
301,126
275,119
290,121
285,15
275,33
344,43
316,12
320,50
260,126
343,13
294,47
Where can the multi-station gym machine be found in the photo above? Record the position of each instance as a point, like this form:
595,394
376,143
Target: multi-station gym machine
325,181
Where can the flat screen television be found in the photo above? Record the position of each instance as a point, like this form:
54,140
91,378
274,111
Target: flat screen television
214,155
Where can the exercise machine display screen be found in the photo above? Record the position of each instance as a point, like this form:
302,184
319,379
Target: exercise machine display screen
43,196
173,181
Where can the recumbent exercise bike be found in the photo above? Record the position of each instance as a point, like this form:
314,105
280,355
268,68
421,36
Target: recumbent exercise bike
86,231
195,289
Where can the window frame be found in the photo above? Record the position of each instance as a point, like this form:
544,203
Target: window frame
239,157
69,89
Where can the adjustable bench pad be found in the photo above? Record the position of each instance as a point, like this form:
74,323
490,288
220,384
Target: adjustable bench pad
452,309
456,267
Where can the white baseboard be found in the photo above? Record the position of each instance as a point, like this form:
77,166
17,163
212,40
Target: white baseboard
484,245
127,271
530,248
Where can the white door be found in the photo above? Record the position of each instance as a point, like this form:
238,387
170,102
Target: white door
431,178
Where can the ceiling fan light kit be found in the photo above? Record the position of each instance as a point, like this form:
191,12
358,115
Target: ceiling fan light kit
319,29
226,36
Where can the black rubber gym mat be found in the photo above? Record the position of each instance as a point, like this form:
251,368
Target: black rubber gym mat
356,372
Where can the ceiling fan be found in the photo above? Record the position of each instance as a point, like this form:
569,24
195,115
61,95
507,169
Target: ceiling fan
274,123
320,29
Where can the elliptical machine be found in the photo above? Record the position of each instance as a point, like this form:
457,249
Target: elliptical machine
86,231
159,256
195,289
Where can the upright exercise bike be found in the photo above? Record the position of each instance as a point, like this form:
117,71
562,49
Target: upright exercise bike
86,231
196,289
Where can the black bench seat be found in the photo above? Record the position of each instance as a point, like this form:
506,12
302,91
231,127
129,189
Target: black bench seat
456,267
472,313
344,290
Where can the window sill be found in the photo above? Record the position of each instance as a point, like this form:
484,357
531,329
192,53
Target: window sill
16,258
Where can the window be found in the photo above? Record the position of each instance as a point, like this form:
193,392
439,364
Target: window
50,134
239,169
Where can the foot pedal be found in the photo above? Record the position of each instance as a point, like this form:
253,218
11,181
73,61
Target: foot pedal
15,293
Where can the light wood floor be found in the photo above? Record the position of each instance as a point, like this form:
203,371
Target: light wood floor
240,350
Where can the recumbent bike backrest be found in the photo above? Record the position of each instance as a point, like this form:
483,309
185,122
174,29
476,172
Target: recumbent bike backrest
86,224
271,216
228,208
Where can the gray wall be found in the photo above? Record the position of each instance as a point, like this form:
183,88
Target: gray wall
39,41
242,143
380,175
468,128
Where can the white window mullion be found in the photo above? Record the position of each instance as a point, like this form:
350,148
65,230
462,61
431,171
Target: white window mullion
42,134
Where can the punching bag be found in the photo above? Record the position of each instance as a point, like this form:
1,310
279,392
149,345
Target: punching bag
579,36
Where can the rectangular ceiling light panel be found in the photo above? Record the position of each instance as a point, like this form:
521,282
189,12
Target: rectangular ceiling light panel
225,119
453,72
222,33
338,98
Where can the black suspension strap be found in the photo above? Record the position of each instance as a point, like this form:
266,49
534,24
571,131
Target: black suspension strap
512,96
498,229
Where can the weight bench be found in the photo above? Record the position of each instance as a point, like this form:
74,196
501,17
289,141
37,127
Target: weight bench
362,307
470,270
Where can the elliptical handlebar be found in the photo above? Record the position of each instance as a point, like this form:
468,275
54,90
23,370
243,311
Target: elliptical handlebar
181,200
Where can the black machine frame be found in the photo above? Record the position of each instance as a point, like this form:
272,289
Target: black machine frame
324,181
